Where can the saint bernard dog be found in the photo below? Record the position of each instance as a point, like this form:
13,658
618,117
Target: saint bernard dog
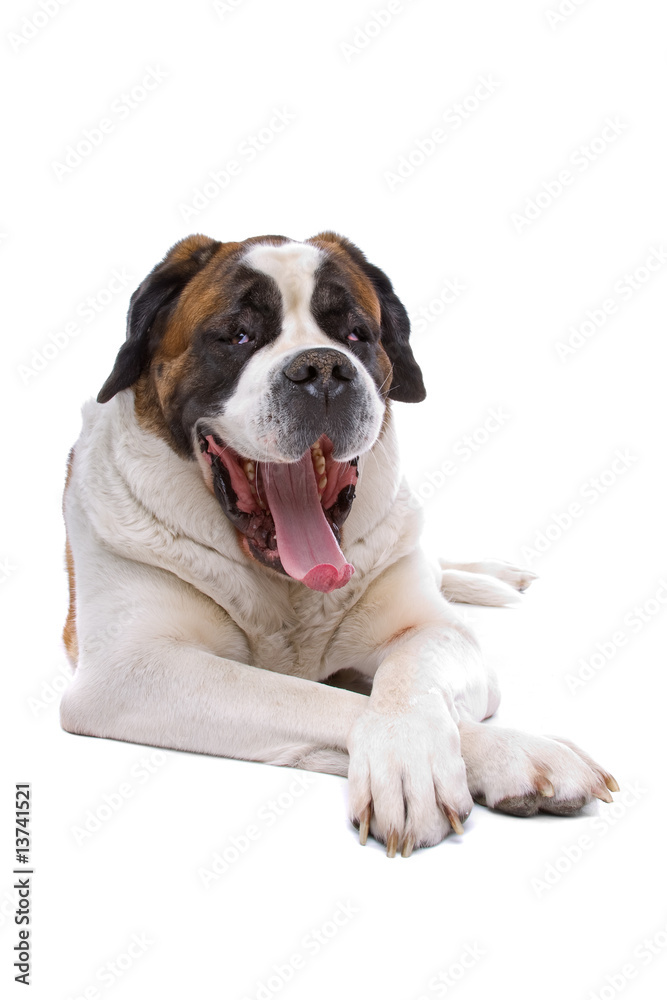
243,553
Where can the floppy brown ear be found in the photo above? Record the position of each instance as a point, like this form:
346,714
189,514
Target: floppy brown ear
162,286
407,385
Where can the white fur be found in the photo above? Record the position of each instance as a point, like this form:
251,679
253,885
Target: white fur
465,587
292,266
185,642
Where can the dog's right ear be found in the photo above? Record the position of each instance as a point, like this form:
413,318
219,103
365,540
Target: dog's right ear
162,286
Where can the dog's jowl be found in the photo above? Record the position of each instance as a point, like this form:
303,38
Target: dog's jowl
238,533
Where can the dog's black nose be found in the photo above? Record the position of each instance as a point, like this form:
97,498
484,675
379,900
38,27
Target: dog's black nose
321,371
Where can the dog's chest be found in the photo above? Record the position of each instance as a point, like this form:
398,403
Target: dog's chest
302,646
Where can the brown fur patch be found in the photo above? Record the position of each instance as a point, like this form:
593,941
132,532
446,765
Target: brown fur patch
364,293
147,407
69,631
201,297
185,248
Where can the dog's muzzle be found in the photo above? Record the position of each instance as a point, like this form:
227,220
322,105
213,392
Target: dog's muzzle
319,391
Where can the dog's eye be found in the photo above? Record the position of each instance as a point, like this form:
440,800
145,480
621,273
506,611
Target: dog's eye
240,337
356,334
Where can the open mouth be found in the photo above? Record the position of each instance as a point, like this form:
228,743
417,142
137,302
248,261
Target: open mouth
289,514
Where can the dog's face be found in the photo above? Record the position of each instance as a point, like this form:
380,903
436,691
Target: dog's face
271,363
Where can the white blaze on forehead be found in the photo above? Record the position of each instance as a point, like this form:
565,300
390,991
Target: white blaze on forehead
292,266
247,420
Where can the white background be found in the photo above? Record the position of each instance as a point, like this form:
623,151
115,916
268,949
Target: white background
544,918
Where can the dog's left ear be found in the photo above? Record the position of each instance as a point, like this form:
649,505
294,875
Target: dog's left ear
407,385
162,286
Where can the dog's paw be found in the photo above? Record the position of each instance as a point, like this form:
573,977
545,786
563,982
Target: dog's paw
407,779
516,773
516,577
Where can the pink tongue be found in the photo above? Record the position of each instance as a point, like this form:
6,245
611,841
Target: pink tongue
307,547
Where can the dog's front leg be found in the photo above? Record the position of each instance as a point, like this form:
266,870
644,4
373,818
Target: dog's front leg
407,776
171,694
518,773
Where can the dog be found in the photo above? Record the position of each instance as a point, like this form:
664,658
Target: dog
243,553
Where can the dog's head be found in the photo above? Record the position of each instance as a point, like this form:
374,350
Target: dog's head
271,362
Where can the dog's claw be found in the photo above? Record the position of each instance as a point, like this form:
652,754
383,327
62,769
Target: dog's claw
364,824
408,845
611,783
545,787
392,843
602,794
454,820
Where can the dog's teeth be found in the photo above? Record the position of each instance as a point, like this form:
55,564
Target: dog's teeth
320,465
249,469
322,484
